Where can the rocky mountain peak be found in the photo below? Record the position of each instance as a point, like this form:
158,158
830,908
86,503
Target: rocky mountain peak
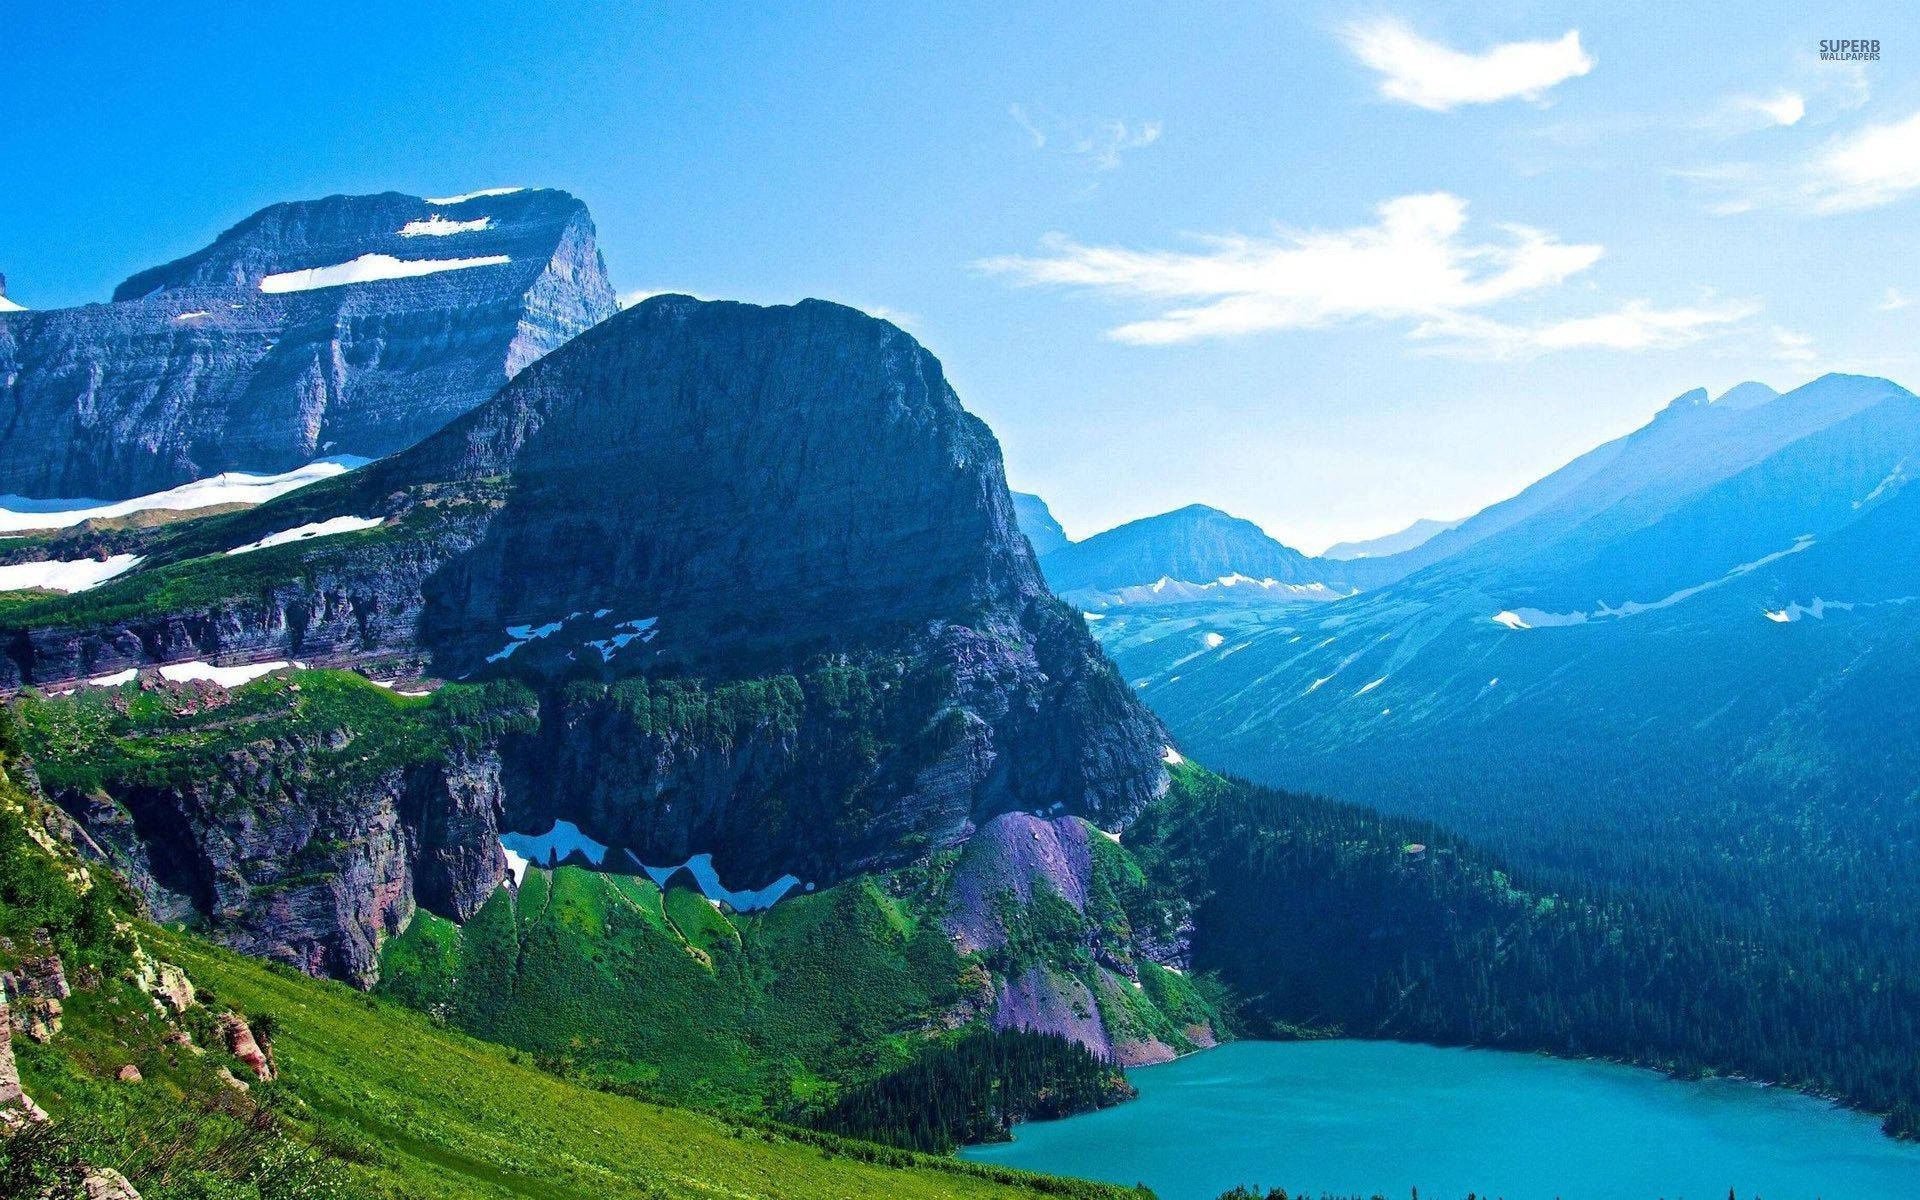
740,474
350,325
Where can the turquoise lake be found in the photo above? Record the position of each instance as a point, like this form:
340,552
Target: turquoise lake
1365,1117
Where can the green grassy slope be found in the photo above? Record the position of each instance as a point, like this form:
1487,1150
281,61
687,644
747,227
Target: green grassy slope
373,1100
605,974
444,1115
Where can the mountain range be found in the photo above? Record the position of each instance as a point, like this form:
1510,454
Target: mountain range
680,698
1678,659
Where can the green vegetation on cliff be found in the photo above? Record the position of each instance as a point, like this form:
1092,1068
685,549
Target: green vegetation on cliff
111,739
607,975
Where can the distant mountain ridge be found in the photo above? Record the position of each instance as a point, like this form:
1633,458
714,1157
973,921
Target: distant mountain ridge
1674,658
1036,521
1400,541
1189,546
350,325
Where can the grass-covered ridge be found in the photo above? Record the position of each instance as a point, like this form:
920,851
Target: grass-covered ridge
135,735
777,1012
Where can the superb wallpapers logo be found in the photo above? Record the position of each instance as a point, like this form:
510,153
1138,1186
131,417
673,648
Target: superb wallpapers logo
1850,50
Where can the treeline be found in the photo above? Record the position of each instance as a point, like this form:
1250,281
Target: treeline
1322,920
974,1089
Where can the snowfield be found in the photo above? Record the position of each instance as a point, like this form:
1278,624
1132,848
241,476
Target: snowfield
226,677
72,575
466,196
439,226
315,529
230,487
370,268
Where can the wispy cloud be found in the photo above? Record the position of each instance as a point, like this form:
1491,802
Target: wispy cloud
1102,142
1019,114
1873,166
1636,325
1781,108
1868,167
1895,300
1794,349
1429,75
1413,266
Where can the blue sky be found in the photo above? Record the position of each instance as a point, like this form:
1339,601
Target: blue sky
1328,267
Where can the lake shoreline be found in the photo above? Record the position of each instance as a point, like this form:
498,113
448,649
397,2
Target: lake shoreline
1371,1116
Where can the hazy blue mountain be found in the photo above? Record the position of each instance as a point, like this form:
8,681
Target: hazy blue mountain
1036,521
1194,554
1694,440
350,325
1691,650
1398,542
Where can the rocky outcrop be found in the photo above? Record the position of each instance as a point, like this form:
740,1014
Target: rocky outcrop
209,364
15,1105
36,988
1066,921
292,850
105,1183
243,1046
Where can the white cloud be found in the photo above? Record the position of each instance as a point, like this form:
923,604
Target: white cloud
1429,75
1795,349
1895,300
1635,325
1019,113
1782,108
1869,168
1413,266
1101,143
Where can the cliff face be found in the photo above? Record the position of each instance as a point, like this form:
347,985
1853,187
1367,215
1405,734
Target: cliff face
352,325
271,850
759,569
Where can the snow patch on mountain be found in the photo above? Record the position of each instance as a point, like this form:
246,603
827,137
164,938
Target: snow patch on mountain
520,635
370,268
1235,588
554,846
1534,618
230,487
69,575
466,196
1818,608
314,529
226,677
439,226
700,866
643,629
